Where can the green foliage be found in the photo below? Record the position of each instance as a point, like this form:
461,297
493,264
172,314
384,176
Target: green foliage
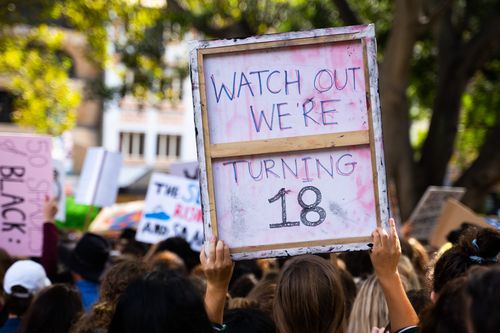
480,113
46,99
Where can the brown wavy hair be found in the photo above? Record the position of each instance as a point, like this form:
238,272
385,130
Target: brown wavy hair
115,281
309,297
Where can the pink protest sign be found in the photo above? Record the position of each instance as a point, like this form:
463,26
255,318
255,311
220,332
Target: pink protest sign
290,141
26,177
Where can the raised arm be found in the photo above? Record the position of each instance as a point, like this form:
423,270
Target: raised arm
218,268
385,257
50,238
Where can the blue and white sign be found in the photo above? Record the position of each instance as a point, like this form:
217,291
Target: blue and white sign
172,209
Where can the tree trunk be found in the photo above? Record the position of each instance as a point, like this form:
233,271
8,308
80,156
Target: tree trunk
394,77
484,173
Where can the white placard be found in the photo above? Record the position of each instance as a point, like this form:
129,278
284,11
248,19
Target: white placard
172,209
58,189
98,185
188,170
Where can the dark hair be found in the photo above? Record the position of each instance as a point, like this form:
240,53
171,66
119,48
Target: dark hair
17,305
477,246
419,299
243,286
114,283
447,315
248,321
350,290
180,246
358,263
160,302
54,310
484,292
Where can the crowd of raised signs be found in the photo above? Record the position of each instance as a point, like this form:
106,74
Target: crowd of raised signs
94,284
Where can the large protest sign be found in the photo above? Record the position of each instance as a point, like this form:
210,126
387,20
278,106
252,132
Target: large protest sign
290,141
98,185
425,215
25,180
172,209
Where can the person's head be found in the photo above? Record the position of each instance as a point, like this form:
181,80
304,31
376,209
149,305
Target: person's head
369,309
180,246
114,283
88,259
476,247
248,321
483,290
169,261
23,280
350,291
357,263
419,299
242,286
55,309
160,302
263,293
309,297
418,256
448,313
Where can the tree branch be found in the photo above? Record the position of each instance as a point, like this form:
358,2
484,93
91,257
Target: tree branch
458,61
437,11
237,29
346,13
483,173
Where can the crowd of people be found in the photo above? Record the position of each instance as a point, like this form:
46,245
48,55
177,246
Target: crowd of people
101,285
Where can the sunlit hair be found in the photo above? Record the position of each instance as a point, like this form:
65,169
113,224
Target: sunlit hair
309,297
369,309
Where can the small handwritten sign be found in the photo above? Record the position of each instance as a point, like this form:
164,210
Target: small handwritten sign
425,216
25,180
172,209
290,141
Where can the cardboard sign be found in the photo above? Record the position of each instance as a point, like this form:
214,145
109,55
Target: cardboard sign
424,217
172,209
188,170
58,189
453,215
98,185
25,181
290,141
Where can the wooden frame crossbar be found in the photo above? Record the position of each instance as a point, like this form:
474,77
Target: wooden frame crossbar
300,143
324,242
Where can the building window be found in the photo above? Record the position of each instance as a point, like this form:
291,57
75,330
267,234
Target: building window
168,146
132,145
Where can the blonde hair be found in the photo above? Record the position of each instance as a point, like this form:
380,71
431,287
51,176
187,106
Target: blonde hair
369,309
309,297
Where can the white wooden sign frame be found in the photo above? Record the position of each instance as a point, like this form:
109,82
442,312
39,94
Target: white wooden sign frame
373,136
